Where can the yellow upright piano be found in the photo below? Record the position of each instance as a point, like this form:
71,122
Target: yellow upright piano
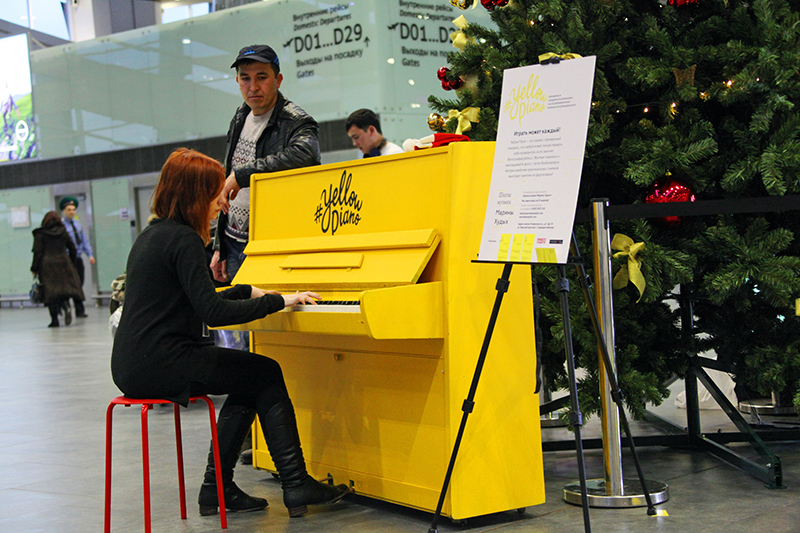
378,372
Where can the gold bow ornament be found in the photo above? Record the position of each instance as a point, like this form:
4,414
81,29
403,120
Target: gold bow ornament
459,39
465,118
632,271
547,58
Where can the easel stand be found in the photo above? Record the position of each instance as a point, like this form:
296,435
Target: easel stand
576,418
469,403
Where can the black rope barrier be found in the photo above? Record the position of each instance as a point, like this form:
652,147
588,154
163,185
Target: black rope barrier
763,204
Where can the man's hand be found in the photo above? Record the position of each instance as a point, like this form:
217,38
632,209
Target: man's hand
219,268
91,260
229,192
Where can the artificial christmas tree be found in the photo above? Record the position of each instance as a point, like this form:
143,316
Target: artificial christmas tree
706,91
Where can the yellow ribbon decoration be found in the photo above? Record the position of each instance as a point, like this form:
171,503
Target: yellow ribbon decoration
797,307
459,39
549,55
465,118
632,271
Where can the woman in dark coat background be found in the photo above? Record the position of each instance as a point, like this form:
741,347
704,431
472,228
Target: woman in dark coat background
160,350
53,257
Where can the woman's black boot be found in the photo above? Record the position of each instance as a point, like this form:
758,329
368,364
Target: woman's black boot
54,309
232,427
236,500
67,312
299,489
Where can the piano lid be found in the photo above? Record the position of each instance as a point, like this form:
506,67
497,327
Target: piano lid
344,262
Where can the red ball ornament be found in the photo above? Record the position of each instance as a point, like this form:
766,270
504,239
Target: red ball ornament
503,3
488,4
456,84
442,73
680,3
669,190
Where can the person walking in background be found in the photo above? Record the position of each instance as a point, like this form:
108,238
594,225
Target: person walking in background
160,350
53,262
68,205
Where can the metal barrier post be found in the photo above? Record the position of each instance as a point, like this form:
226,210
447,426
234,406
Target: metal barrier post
613,490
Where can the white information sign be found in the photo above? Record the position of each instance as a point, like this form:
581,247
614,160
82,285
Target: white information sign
541,137
21,217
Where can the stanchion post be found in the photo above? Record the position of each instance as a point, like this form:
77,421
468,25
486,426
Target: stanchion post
612,441
613,490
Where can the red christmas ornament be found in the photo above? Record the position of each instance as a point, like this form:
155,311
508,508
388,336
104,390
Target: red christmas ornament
504,3
669,190
488,4
454,85
448,85
680,3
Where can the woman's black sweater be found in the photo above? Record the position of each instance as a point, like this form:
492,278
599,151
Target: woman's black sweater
159,346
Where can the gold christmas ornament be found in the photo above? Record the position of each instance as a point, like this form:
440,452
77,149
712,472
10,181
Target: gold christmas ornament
462,4
436,122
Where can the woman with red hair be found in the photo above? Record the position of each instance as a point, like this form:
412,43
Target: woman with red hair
160,350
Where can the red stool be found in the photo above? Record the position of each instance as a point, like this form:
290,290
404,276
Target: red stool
146,406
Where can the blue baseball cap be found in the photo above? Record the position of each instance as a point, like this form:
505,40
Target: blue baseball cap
258,52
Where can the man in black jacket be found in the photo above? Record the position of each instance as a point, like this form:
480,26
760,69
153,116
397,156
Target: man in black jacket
268,133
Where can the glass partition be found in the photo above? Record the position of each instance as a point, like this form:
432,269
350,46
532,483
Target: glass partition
173,82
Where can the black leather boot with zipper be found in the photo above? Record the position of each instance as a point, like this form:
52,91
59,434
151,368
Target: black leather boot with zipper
232,428
299,489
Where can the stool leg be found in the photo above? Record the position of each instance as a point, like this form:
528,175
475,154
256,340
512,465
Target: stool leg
107,513
146,468
223,517
179,446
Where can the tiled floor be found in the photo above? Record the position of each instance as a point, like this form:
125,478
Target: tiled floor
55,385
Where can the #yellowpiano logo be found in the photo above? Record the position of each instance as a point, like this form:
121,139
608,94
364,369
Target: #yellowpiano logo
339,206
525,99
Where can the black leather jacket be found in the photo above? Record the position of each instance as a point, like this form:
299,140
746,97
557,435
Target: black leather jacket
290,140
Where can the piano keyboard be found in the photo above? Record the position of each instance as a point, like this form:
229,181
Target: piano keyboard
328,306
